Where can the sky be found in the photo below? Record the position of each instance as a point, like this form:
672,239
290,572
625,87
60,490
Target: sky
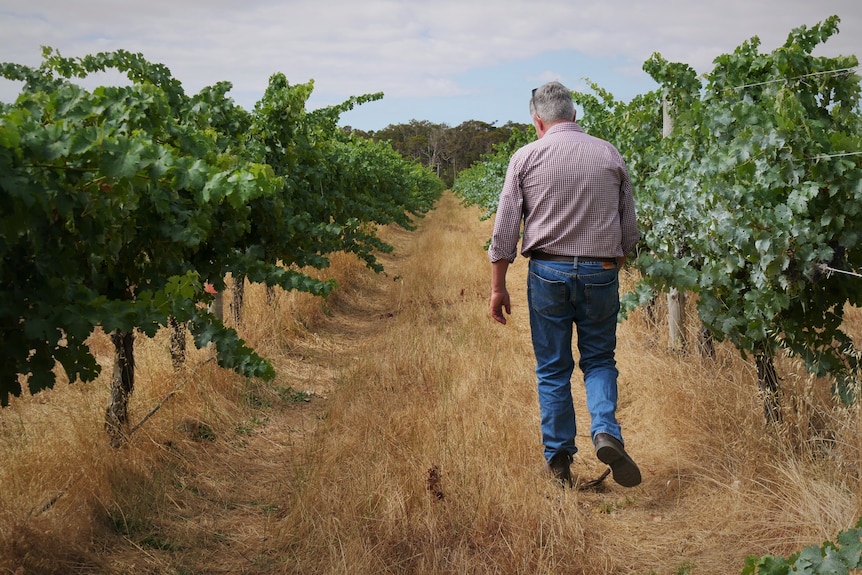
442,61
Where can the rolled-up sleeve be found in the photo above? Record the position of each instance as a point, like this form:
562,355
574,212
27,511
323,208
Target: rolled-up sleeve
507,221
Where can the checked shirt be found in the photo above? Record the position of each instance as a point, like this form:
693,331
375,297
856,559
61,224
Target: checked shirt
573,194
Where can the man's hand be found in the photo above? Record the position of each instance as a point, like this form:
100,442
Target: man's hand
499,293
499,302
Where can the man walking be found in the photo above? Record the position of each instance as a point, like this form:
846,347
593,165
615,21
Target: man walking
573,194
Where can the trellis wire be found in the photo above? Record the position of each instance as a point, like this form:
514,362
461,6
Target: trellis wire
830,270
812,74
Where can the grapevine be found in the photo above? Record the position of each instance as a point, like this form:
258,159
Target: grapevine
119,204
763,187
757,188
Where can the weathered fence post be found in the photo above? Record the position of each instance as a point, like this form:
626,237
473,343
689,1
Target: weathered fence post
675,298
217,306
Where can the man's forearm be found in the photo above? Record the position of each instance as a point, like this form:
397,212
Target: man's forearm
498,275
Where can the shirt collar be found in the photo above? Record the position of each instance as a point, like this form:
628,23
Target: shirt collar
565,127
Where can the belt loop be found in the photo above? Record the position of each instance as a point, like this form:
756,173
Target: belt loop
575,263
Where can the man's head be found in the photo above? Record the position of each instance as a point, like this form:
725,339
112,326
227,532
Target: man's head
551,103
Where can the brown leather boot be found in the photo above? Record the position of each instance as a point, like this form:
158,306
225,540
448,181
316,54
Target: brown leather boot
560,467
609,450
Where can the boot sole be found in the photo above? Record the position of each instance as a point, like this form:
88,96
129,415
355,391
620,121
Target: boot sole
623,468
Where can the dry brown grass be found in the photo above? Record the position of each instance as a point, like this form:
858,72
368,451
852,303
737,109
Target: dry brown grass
418,448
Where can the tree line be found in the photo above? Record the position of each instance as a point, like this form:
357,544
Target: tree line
445,150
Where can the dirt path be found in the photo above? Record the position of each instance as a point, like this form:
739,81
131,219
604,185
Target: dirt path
223,512
225,508
231,496
222,507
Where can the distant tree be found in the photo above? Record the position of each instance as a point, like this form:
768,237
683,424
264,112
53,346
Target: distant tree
445,150
472,139
418,139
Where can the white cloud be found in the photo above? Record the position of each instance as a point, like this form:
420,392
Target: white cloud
405,48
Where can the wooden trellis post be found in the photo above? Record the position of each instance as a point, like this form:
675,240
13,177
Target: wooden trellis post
675,298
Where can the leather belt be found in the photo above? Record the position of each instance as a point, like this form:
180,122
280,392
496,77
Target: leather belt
537,255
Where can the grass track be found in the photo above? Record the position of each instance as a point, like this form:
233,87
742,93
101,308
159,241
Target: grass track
402,436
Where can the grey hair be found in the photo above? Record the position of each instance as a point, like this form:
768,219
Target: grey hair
552,102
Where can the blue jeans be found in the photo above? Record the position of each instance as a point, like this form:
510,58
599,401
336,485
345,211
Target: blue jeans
563,296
